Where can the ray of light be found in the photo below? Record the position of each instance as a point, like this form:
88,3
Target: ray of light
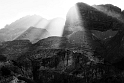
55,27
73,22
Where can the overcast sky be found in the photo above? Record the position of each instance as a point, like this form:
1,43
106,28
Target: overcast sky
11,10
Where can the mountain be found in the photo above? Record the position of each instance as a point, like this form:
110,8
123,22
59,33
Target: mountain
99,25
33,34
15,29
43,29
86,17
90,50
32,28
93,19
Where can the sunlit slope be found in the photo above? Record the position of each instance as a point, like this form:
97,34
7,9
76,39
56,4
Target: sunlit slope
43,29
16,28
75,31
73,21
33,34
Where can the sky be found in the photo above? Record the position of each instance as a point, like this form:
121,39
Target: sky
11,10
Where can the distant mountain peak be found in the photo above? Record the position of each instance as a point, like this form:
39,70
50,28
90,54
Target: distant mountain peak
15,29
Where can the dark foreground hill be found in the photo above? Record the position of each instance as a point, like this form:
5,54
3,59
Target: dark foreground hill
52,60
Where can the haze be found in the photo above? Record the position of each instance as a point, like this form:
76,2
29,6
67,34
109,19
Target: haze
11,10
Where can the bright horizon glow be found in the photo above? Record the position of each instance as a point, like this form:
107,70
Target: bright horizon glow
11,10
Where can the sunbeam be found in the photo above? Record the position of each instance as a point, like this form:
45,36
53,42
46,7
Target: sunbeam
55,26
73,22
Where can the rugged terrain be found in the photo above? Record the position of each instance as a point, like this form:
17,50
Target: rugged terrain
90,50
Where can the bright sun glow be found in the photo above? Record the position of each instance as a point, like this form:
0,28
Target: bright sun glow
11,10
